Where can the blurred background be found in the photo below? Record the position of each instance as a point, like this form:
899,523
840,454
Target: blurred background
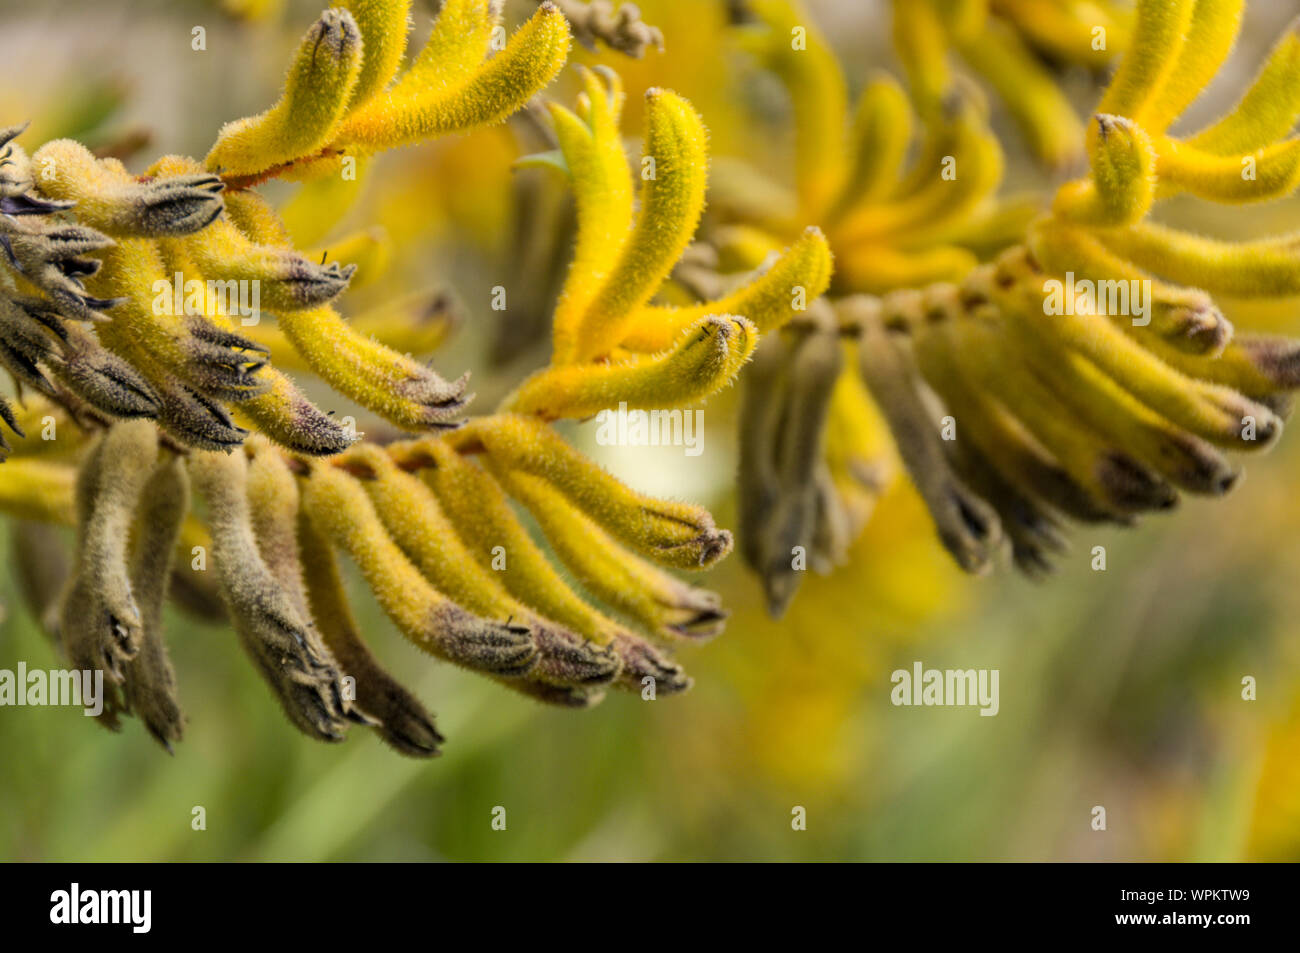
1120,688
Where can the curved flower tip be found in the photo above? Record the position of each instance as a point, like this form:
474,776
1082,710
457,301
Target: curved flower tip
704,359
316,93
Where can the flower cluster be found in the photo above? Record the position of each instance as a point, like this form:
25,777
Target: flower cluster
1087,371
429,520
900,210
1033,362
181,386
1091,373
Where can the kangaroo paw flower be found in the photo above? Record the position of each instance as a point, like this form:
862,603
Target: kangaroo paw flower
404,723
967,526
704,359
674,534
425,616
281,643
150,682
317,91
100,622
106,197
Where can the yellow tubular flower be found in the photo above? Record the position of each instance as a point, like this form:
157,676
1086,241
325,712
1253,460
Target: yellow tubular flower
339,507
1040,109
484,520
602,188
674,176
403,721
976,171
1185,460
108,198
392,385
820,98
1003,441
411,514
1180,319
673,534
286,279
383,25
283,414
478,507
1068,30
922,45
1208,41
1123,181
417,323
316,94
1273,172
881,137
1215,413
384,380
1267,111
802,272
1158,42
1260,269
651,597
705,358
490,90
340,98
